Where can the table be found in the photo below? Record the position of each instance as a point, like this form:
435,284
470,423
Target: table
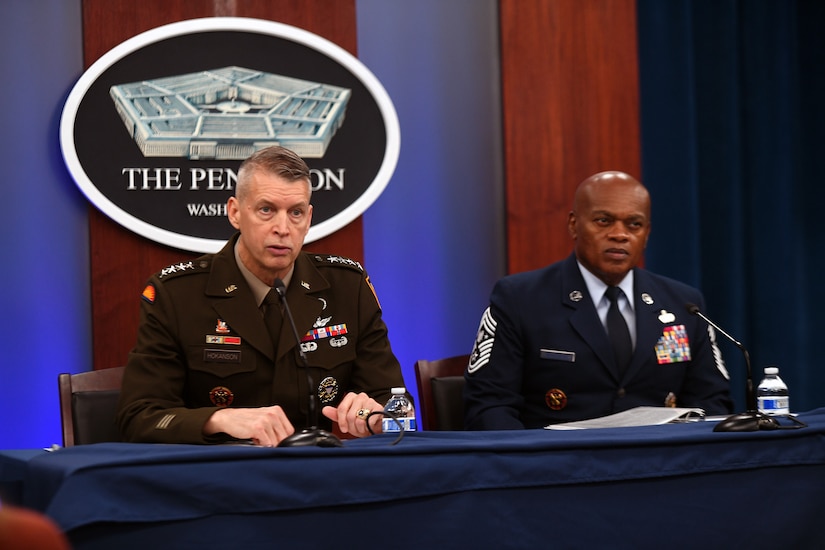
670,486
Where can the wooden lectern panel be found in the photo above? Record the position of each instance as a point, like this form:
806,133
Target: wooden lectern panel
570,109
122,261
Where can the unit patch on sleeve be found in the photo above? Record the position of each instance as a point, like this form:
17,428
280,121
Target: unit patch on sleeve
149,293
485,339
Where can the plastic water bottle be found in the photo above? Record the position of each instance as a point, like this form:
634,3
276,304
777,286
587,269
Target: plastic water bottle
403,410
772,394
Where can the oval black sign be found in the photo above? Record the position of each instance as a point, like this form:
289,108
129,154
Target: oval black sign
154,131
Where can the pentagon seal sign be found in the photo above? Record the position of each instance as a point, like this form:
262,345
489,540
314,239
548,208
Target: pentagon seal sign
154,131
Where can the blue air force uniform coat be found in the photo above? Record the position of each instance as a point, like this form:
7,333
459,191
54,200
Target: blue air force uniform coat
542,355
203,344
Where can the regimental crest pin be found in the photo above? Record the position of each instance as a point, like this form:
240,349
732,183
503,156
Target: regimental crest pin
555,399
327,390
221,396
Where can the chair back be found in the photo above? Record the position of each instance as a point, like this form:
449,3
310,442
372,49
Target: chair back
88,406
440,388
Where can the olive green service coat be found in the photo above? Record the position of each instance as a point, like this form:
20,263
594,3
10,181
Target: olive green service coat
203,344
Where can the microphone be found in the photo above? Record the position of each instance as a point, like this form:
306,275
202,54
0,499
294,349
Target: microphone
311,435
750,420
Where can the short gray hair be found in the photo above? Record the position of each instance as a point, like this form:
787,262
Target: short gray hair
276,160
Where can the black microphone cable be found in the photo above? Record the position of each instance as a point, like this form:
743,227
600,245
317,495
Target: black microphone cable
394,419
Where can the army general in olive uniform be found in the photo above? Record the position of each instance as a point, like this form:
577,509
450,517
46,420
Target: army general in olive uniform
216,359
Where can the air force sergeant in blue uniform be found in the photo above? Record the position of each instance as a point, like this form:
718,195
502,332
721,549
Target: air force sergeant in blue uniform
543,354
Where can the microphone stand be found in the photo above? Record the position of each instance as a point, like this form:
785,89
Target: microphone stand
751,420
312,435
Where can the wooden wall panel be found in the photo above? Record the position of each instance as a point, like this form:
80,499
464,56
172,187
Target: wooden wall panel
570,109
121,261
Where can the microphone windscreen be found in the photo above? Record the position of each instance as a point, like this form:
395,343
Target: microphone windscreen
693,309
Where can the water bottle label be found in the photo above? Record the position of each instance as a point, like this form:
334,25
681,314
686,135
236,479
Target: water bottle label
774,405
389,425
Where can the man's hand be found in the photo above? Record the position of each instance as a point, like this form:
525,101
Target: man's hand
265,426
346,414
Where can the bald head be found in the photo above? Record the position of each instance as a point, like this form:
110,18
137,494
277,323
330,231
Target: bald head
610,224
619,186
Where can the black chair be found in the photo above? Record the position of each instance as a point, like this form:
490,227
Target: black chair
440,386
88,405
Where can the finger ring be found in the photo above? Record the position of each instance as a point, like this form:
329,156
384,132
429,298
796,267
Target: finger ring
363,413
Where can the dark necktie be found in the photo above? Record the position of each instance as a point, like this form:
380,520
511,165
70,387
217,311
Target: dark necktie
617,329
273,317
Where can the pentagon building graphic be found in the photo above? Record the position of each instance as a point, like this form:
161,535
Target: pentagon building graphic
229,113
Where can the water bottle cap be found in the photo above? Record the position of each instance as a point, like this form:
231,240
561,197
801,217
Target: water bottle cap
399,391
771,370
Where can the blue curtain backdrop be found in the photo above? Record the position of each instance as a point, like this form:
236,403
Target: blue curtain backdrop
732,128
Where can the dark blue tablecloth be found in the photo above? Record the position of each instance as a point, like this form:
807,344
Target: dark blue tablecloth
676,484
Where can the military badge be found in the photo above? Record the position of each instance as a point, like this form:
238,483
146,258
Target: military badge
576,296
485,338
666,317
221,396
328,390
321,322
341,260
647,299
221,327
164,422
149,294
338,342
673,346
215,339
555,399
325,332
175,268
307,347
